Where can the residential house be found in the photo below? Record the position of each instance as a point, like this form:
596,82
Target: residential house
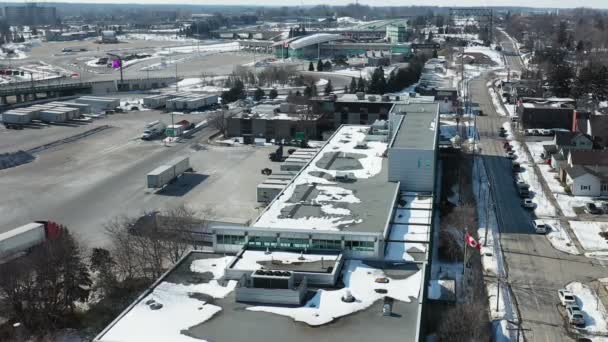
586,172
566,141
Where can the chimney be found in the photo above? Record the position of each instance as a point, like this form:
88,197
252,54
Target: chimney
574,121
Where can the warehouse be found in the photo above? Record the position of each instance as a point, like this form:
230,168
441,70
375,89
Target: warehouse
312,238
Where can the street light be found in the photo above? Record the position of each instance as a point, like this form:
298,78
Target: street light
120,86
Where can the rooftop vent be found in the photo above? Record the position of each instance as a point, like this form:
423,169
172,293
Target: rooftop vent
361,145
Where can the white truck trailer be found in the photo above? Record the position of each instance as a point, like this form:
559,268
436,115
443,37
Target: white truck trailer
53,115
99,104
164,174
12,117
21,238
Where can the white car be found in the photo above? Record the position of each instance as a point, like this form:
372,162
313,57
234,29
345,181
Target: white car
540,227
566,297
575,315
528,204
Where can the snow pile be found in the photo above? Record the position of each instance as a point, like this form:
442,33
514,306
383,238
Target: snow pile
588,234
359,280
156,37
559,238
19,50
178,311
344,141
494,55
496,102
250,259
594,312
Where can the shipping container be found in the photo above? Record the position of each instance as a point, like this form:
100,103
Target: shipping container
21,239
71,113
82,107
163,174
52,116
155,101
18,118
99,103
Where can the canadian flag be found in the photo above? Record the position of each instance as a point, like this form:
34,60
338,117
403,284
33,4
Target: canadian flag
471,241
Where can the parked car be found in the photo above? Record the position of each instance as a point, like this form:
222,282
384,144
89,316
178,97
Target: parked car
575,315
566,297
591,208
605,207
540,227
527,203
546,132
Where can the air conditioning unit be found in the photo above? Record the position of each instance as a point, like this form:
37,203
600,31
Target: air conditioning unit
361,144
372,98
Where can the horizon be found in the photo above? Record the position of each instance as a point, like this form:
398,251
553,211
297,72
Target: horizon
540,4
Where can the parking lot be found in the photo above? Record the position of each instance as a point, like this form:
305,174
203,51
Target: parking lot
84,183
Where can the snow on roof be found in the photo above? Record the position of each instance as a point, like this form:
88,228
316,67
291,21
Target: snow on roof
332,198
250,258
359,280
180,310
315,39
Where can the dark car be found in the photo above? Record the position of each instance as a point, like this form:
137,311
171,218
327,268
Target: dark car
591,208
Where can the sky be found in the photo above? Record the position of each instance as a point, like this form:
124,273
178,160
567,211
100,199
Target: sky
442,3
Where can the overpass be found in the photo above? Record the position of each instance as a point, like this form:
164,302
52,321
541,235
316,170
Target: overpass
26,92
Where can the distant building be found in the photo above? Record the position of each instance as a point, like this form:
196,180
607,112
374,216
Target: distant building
31,15
535,115
396,33
108,37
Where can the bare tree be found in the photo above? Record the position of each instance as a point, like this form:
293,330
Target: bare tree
218,120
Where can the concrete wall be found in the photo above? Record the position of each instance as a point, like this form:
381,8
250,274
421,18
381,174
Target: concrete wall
271,296
414,168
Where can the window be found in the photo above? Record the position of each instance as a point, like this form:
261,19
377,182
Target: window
262,241
327,244
585,187
604,187
230,239
364,246
294,243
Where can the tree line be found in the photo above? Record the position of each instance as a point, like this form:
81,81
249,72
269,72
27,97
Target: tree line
63,284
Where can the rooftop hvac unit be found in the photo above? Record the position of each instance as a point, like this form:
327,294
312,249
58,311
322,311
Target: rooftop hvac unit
361,144
345,176
386,98
360,95
372,98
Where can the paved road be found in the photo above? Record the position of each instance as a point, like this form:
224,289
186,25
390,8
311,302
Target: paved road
535,269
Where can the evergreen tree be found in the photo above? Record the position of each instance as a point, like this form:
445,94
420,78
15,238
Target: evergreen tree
353,86
258,94
311,67
345,90
320,65
327,66
273,93
361,85
328,88
560,79
308,92
314,91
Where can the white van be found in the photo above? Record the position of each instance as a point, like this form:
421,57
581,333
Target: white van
540,227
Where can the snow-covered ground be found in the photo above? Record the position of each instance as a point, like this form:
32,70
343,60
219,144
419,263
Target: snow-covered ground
559,238
588,233
156,37
594,312
359,281
496,102
494,55
250,259
491,254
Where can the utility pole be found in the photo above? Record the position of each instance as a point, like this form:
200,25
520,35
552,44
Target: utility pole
176,81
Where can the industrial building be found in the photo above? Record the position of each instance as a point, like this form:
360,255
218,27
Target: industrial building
270,121
396,33
319,45
348,237
30,14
